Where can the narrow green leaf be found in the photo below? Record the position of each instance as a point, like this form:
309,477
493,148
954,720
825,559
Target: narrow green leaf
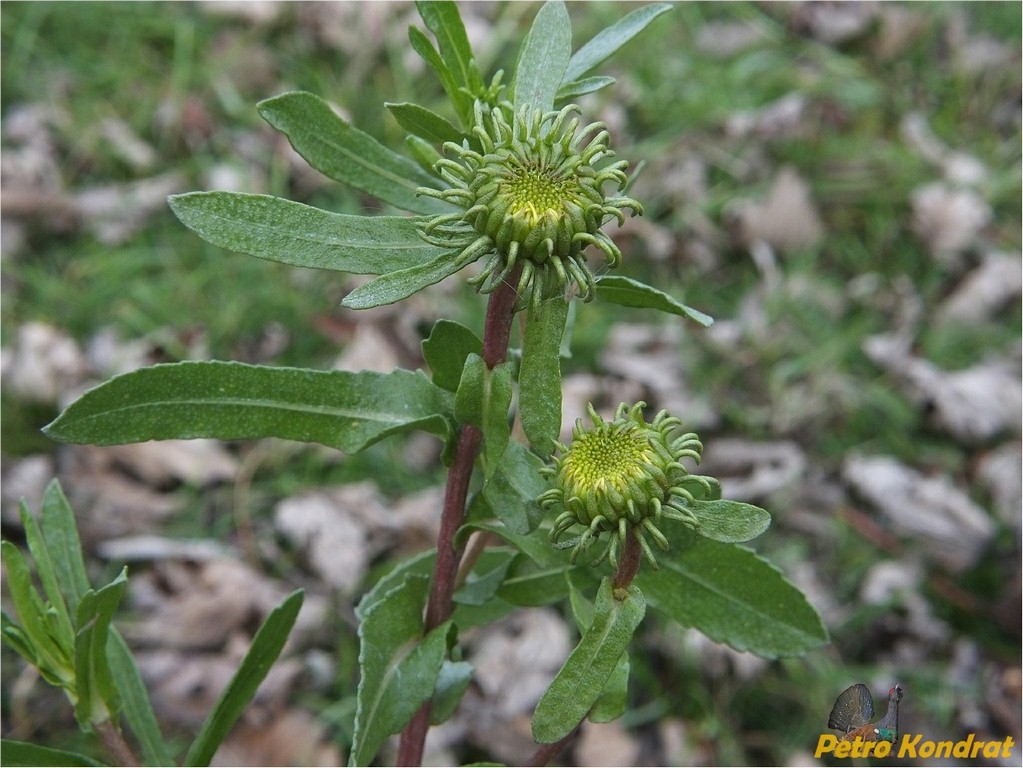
424,122
94,684
421,44
540,374
333,147
452,684
232,401
136,707
581,681
606,42
576,88
444,20
395,286
446,349
483,399
266,647
23,753
51,653
46,570
729,521
535,545
291,233
513,487
399,667
543,58
631,293
731,595
61,534
16,638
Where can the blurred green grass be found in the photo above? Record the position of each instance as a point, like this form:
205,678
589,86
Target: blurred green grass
136,61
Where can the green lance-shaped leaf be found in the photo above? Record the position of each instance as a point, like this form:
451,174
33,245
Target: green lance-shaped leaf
61,534
543,58
513,486
606,42
333,147
424,122
580,683
23,753
445,350
136,707
395,286
540,374
631,293
729,521
483,399
291,233
38,637
232,401
462,102
266,647
731,595
577,88
399,667
46,569
97,698
444,20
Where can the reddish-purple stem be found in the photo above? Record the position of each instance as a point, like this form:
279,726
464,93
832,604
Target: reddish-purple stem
628,563
496,334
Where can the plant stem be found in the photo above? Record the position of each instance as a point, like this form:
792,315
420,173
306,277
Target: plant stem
115,744
548,752
628,563
496,334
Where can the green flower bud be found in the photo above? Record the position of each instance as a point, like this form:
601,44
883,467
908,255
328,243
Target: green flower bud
623,476
534,195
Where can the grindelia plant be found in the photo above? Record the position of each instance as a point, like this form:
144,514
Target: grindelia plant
516,180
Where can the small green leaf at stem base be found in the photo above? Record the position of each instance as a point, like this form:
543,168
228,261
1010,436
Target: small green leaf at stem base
729,521
446,349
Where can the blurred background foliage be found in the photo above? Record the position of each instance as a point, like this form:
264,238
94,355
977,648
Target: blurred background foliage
823,179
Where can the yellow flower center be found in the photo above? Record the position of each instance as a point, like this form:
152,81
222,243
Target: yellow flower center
607,458
535,192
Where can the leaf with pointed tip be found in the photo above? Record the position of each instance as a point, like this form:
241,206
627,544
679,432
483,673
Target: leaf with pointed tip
232,401
291,233
346,154
581,681
627,292
583,86
512,488
445,21
395,286
266,646
93,680
731,595
61,534
729,521
424,122
607,42
543,58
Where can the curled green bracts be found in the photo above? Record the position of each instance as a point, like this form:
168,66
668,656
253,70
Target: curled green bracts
533,195
624,476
